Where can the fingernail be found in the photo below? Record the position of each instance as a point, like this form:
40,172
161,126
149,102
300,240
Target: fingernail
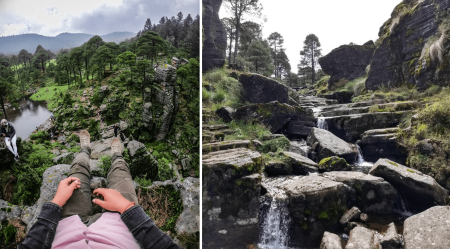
93,200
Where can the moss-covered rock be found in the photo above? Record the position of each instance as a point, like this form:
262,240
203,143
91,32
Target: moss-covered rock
333,164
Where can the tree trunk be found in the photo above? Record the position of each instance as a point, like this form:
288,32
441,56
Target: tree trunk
87,74
236,38
313,76
3,107
231,44
81,78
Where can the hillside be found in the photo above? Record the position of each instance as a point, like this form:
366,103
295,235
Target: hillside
29,42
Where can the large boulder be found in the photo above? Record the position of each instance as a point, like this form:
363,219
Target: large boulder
101,148
372,194
50,181
231,190
382,143
274,115
330,241
362,238
404,54
429,229
160,106
316,205
391,239
260,89
214,36
350,127
142,162
289,163
421,190
226,113
346,62
326,144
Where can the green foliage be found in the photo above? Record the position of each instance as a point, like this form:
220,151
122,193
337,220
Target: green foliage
247,131
104,164
227,90
142,181
437,117
9,233
274,145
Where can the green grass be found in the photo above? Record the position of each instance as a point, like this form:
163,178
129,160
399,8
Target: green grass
48,95
227,90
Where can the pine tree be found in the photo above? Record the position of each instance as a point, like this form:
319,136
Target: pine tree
310,55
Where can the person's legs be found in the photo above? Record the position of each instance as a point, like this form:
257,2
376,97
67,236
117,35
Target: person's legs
80,201
119,176
14,144
8,144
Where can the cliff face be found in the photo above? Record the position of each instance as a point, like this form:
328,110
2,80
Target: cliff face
215,36
413,46
347,62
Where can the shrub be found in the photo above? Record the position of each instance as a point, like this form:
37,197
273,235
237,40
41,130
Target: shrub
219,96
105,164
274,145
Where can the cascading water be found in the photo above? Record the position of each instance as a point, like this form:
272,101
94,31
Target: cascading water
360,159
274,217
322,124
401,206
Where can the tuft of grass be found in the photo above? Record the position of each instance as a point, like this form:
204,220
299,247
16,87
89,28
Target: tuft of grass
227,90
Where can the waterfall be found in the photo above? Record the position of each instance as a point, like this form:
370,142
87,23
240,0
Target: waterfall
322,123
401,206
274,231
274,216
360,159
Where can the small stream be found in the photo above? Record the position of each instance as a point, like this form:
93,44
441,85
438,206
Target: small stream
28,116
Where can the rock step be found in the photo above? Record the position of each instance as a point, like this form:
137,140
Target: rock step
215,127
225,145
210,137
341,110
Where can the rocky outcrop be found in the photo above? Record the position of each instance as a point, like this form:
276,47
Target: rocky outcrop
160,106
225,145
226,113
231,191
108,131
428,229
404,53
382,143
372,194
346,62
326,144
316,205
274,115
260,89
421,190
65,158
9,212
214,36
50,181
349,127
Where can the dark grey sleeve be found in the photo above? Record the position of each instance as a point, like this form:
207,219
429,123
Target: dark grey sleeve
145,230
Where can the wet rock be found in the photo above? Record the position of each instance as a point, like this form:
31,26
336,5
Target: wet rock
346,62
391,239
351,215
226,113
50,181
65,158
362,238
349,127
382,143
421,190
330,145
330,241
231,191
373,194
428,229
299,128
316,205
274,115
215,36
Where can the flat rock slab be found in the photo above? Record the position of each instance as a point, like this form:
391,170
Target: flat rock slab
101,148
373,194
421,190
225,145
429,229
301,165
329,145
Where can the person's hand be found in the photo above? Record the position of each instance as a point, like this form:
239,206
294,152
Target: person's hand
4,135
65,190
113,200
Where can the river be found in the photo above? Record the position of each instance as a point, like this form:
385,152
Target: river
26,118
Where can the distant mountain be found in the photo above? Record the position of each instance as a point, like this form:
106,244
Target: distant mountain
13,44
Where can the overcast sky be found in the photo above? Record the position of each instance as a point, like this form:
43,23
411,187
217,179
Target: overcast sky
334,22
98,17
